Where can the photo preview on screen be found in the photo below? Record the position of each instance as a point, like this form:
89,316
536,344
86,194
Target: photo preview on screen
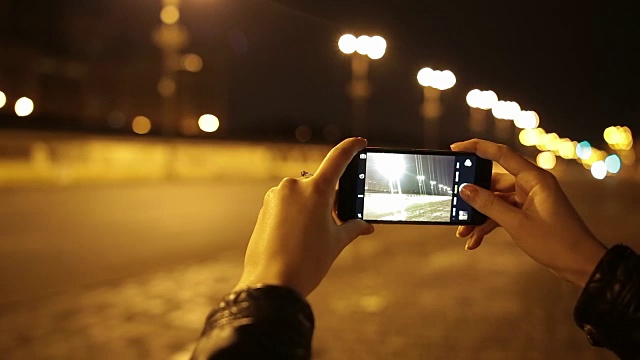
414,187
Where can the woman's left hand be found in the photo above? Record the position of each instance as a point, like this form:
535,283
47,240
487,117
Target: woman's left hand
298,236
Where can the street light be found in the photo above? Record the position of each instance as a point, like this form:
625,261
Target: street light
505,112
527,120
208,123
24,107
392,168
433,82
479,101
3,99
362,49
141,125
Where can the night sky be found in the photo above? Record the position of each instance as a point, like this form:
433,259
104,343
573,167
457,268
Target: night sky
273,65
573,62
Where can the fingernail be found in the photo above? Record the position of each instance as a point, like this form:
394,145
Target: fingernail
454,145
468,191
458,232
468,245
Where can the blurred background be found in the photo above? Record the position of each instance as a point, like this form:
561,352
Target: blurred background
137,140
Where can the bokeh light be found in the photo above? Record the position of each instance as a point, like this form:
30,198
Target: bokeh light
619,137
546,160
24,106
362,44
170,14
377,47
613,163
3,99
506,110
347,43
441,80
191,62
567,149
528,137
526,120
208,123
424,76
599,170
489,100
584,150
141,125
474,98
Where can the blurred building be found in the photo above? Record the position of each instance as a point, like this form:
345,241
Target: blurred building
93,66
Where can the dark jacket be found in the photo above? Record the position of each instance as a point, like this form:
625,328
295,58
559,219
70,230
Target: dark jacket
271,322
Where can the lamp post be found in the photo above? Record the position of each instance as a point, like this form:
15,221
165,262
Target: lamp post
479,102
505,113
171,38
433,82
362,50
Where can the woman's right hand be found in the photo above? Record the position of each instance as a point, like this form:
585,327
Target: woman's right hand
531,206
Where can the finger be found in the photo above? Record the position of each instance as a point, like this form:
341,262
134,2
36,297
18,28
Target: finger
355,228
489,204
502,154
503,182
464,231
336,162
479,233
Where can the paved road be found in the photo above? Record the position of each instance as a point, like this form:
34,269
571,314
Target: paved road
400,207
129,272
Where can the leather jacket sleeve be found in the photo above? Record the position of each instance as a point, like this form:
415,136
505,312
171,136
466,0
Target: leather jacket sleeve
263,322
608,310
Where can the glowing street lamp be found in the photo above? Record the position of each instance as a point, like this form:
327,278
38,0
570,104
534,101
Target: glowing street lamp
24,107
479,101
3,99
362,49
392,168
505,112
208,123
526,120
433,82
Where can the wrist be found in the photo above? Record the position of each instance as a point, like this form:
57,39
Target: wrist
247,282
580,271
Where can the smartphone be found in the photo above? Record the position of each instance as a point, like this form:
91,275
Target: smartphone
411,187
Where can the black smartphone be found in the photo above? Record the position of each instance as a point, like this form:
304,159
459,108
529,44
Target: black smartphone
411,187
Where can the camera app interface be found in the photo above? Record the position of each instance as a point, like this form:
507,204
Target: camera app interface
413,187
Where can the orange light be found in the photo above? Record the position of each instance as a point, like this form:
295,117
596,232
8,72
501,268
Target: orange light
170,14
141,125
191,62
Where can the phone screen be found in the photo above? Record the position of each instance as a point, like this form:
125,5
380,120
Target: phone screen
414,187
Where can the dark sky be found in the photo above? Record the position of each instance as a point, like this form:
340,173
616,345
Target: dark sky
272,65
574,62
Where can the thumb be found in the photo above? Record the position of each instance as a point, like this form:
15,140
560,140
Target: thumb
355,228
489,204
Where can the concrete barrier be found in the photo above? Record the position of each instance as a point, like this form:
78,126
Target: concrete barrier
32,158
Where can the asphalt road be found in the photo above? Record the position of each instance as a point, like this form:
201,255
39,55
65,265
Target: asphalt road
130,271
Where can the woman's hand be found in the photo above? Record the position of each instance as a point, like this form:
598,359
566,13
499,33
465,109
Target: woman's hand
530,205
297,236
